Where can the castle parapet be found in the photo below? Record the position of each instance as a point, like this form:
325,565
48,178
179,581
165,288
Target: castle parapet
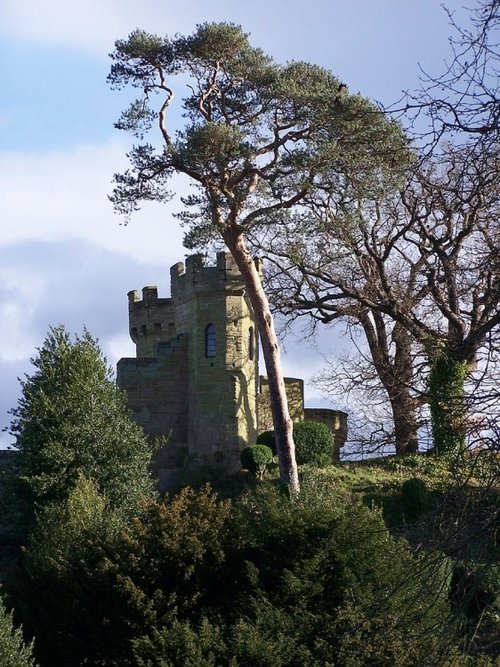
151,320
195,276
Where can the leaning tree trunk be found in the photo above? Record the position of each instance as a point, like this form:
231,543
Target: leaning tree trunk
283,426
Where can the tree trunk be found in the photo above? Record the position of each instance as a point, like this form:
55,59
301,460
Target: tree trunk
396,376
283,426
447,401
405,424
402,402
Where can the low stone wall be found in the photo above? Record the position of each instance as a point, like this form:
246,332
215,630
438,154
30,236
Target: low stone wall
295,394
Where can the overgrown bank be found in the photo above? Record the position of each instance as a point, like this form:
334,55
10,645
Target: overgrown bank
366,567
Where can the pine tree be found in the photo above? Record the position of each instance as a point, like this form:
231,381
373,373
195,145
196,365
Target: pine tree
72,421
13,651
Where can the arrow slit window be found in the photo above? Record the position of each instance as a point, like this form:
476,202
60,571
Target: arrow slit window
210,341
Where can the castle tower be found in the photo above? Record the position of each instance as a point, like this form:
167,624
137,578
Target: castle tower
211,304
195,378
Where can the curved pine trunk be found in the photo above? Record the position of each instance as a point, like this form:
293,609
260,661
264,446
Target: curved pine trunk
283,426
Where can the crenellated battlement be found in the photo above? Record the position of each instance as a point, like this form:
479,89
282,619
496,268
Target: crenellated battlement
151,320
195,276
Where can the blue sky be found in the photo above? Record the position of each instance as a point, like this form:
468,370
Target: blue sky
64,257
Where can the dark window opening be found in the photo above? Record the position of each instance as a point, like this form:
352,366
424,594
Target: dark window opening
210,341
251,344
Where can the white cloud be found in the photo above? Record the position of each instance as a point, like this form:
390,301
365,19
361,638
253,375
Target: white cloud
17,343
18,298
62,195
93,25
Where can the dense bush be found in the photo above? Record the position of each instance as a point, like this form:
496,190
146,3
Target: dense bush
415,498
13,650
267,438
314,443
255,458
192,580
65,592
92,583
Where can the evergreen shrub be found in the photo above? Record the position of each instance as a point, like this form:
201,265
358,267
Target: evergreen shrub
415,498
267,438
13,651
255,458
313,443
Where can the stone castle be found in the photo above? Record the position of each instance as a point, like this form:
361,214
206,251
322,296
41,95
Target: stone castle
195,379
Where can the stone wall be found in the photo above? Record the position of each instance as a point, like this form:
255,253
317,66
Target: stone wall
294,388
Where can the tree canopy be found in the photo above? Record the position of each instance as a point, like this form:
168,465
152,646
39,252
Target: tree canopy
72,421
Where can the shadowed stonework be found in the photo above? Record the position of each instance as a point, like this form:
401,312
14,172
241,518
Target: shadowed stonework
195,379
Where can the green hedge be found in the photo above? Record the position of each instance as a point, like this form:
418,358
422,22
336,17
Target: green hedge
314,443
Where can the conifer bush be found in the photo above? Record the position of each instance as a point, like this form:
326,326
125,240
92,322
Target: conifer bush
71,420
256,458
314,443
13,651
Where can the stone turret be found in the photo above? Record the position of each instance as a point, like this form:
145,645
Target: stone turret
151,320
195,380
211,304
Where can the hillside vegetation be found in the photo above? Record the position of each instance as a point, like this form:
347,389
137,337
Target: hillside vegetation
385,562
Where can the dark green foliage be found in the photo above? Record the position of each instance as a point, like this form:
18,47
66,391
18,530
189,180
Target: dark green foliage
475,595
65,592
415,498
13,650
267,438
329,586
304,584
182,645
193,580
256,458
71,420
93,581
447,391
313,443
